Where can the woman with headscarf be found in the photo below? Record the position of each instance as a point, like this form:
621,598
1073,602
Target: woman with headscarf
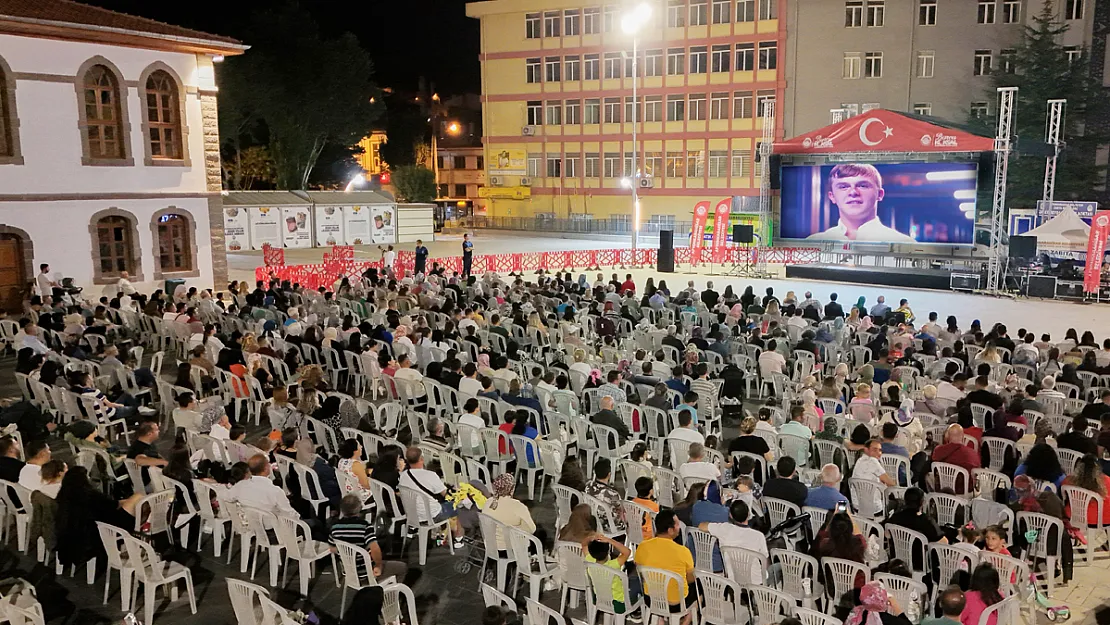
876,607
841,373
813,414
503,507
329,483
735,315
830,431
861,306
930,404
483,365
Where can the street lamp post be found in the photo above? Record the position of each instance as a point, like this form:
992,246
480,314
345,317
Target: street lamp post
631,24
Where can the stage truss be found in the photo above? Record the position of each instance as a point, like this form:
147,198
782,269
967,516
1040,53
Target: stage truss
996,254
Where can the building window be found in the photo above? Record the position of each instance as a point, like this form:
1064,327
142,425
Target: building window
1074,53
592,162
676,13
876,13
460,190
612,64
628,66
852,64
923,108
535,112
572,22
699,12
572,68
674,168
9,121
570,166
611,164
612,110
982,63
979,110
720,58
768,55
745,10
926,59
1011,11
534,165
532,70
174,246
573,112
102,114
1006,61
609,18
741,163
626,170
719,106
441,162
661,222
163,116
591,20
742,105
653,63
1073,9
697,107
676,61
592,66
551,21
721,13
554,166
653,108
653,164
699,57
553,115
553,69
718,163
927,13
695,163
745,57
114,247
458,162
762,100
873,65
853,14
986,11
592,111
676,108
532,25
767,10
632,115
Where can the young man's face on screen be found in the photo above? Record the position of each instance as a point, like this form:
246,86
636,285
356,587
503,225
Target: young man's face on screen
856,197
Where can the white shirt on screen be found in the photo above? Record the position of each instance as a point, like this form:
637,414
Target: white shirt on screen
873,230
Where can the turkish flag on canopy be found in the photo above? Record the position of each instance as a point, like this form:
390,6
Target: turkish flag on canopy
880,130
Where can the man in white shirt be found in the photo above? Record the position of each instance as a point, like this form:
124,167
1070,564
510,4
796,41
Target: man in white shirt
186,416
469,386
123,285
953,390
44,282
30,476
870,469
810,302
407,373
736,533
472,417
932,328
797,320
388,256
424,481
259,491
797,427
1027,353
857,189
685,430
770,361
28,337
697,466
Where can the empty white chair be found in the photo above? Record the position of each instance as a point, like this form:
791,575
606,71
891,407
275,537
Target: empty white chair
840,577
657,585
536,570
295,537
153,572
112,538
421,510
719,599
769,605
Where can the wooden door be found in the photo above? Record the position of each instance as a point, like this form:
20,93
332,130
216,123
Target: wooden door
12,280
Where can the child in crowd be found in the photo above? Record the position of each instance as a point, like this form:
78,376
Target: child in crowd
645,496
599,551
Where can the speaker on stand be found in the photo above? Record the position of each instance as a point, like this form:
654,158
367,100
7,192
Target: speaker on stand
665,259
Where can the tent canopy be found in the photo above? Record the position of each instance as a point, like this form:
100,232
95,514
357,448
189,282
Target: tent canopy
880,130
1065,232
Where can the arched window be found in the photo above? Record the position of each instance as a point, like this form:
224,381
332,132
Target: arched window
175,250
7,146
113,236
103,117
163,116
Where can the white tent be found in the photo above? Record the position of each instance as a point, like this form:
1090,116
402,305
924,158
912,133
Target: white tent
1066,232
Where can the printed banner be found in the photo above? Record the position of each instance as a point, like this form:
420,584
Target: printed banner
701,213
720,228
884,131
508,162
297,227
265,226
1096,246
384,227
1048,210
329,226
236,229
356,225
272,256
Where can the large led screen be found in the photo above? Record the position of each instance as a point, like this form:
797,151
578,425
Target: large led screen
922,203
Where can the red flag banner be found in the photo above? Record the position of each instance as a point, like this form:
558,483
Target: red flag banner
272,256
701,213
1096,246
720,228
880,130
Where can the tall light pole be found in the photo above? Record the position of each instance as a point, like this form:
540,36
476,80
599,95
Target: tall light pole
631,23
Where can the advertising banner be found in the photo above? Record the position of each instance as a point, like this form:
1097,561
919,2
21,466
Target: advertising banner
508,162
356,225
1096,246
1048,210
884,131
701,213
296,226
272,256
383,225
236,229
720,227
329,225
265,226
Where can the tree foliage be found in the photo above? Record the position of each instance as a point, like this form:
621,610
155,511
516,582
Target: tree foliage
296,91
249,168
407,127
1042,72
414,183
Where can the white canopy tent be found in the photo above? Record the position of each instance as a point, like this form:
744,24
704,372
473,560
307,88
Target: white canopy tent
1066,232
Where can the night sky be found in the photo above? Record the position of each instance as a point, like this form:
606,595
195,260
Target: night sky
406,38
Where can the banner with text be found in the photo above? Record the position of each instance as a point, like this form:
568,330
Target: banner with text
1048,210
1096,246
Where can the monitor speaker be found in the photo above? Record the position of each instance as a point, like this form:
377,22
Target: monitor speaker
665,260
1042,286
666,239
1023,247
742,233
776,169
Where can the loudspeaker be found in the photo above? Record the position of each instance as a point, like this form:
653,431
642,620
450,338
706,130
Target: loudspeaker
1042,286
666,239
776,169
1023,247
963,281
742,233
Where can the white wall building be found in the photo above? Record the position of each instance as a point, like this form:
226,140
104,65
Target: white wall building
109,149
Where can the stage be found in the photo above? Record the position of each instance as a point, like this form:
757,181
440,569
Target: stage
912,277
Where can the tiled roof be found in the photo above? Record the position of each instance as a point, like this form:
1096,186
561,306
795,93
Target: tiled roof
69,12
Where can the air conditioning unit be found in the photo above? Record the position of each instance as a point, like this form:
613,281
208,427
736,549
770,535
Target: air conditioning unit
525,182
646,183
496,181
528,131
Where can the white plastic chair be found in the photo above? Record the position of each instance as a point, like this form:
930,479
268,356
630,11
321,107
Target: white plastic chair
295,536
910,546
744,566
572,573
949,561
1006,611
656,584
19,507
113,539
796,569
259,521
906,591
244,596
349,556
719,599
813,617
524,545
952,478
840,577
704,545
1040,549
420,512
1080,501
769,605
154,572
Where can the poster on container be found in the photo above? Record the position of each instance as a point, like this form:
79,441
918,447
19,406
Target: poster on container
236,229
356,224
265,226
296,226
329,226
384,224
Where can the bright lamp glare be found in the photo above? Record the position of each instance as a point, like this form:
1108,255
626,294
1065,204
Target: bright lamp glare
635,18
626,183
964,194
967,206
943,176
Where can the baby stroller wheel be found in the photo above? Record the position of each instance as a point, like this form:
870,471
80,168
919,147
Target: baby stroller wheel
1051,614
462,567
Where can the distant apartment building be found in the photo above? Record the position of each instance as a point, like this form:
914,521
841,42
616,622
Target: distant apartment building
371,157
557,82
461,176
